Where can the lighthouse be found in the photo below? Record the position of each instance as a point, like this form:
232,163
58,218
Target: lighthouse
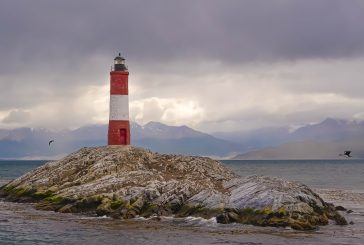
119,127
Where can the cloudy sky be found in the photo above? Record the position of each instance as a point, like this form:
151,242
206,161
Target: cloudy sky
213,65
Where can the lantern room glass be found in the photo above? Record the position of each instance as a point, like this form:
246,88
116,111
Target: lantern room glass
119,62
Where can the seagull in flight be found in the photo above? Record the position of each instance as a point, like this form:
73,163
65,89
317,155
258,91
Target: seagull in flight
346,153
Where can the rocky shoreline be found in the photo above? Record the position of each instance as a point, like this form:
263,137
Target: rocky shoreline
125,182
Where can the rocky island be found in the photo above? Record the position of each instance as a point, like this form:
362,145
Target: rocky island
124,182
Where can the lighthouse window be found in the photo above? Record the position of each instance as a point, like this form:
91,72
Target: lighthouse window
119,62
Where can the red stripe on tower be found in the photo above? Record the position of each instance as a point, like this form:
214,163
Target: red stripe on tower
119,126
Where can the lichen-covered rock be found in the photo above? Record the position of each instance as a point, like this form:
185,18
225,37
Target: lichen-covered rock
125,181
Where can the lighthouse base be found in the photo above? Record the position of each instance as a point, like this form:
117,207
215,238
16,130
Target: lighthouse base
119,132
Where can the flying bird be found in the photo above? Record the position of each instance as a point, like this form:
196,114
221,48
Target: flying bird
346,153
50,142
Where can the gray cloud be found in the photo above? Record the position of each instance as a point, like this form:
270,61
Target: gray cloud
60,32
182,55
17,116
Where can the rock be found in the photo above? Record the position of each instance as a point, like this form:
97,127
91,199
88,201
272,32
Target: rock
104,208
156,218
340,208
233,217
349,211
297,226
223,218
125,181
303,226
129,214
68,208
340,220
351,222
138,205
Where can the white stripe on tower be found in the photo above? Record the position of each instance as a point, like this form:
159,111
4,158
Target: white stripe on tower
119,107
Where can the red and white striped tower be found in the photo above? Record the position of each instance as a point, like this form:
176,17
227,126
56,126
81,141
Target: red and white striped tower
119,127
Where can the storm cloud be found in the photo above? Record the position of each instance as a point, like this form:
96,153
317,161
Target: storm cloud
214,65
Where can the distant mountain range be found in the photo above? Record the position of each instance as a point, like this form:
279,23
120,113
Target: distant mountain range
27,143
324,140
182,139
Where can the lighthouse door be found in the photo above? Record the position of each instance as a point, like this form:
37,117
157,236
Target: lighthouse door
123,136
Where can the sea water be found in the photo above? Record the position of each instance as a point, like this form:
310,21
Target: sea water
338,181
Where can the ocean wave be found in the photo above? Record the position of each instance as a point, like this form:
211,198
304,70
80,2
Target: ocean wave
189,220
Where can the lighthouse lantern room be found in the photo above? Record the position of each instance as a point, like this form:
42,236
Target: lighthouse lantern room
119,127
